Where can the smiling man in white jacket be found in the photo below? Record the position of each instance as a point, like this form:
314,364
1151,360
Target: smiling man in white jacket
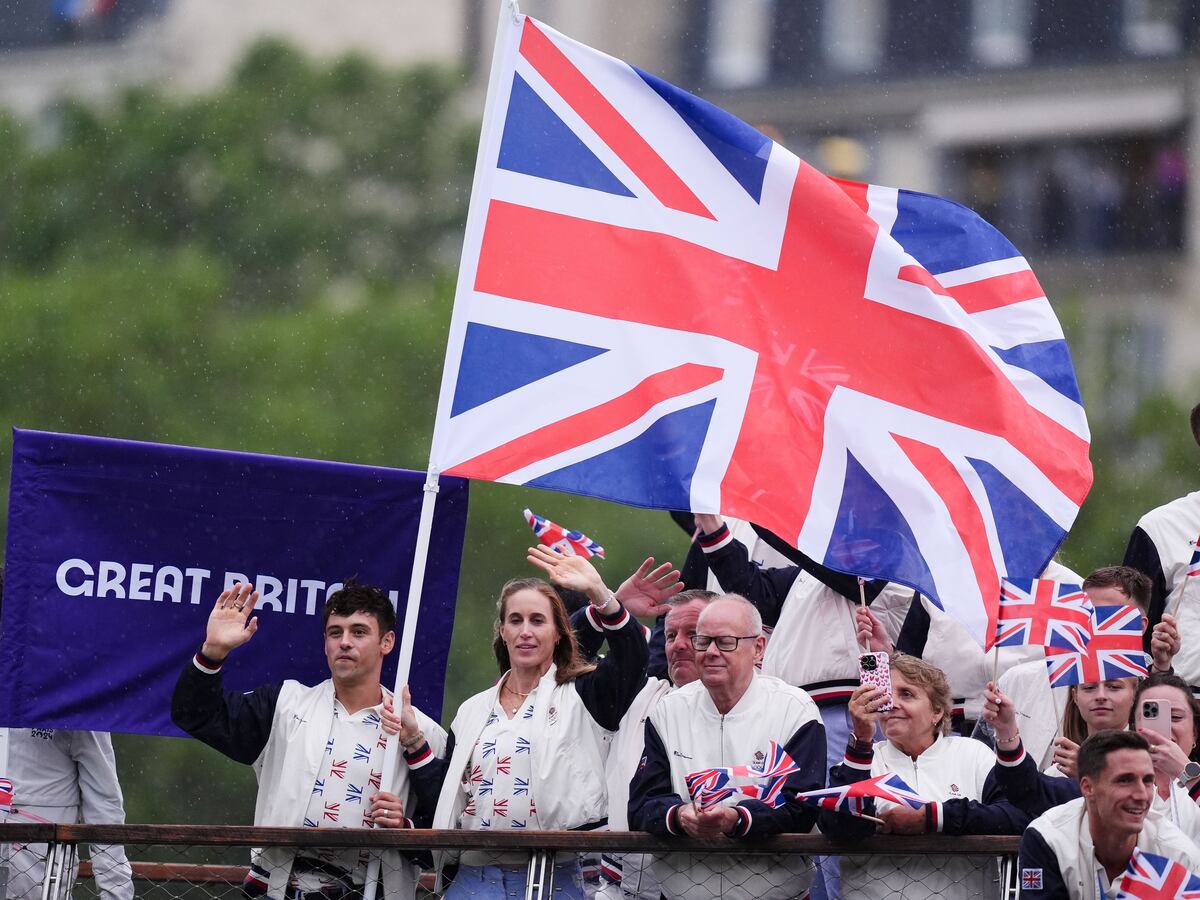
317,751
1079,850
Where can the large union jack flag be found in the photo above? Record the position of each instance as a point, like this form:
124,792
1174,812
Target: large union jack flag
1043,613
1114,650
659,305
851,797
1153,877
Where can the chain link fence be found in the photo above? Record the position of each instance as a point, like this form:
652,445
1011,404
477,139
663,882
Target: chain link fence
168,862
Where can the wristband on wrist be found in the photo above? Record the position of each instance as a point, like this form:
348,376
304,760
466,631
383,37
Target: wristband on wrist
610,606
413,742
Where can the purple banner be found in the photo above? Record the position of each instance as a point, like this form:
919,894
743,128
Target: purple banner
118,549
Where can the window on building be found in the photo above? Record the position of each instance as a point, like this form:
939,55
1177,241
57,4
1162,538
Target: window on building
853,35
738,40
1000,31
1099,197
1154,27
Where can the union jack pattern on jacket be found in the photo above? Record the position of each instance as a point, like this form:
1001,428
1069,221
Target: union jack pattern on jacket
499,787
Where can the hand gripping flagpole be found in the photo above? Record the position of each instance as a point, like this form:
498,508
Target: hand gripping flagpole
509,15
407,639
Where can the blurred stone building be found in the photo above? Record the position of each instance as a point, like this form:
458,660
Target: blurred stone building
1073,125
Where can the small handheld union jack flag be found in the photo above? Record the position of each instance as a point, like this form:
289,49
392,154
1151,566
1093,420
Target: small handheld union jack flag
1039,612
6,795
709,787
851,797
1194,565
1151,877
568,543
706,779
1114,650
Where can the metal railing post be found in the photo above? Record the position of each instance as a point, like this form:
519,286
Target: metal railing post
51,861
539,880
1010,887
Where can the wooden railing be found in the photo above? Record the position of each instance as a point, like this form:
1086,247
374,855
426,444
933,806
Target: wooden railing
569,841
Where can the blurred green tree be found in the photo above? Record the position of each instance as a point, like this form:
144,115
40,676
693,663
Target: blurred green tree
269,268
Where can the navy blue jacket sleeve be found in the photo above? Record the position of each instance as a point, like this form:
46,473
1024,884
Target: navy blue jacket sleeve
233,723
1038,870
1141,554
994,814
1029,790
807,749
426,773
590,640
609,689
653,804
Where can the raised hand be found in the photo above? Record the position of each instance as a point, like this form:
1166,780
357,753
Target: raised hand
865,704
1066,755
1167,756
573,572
999,712
871,633
646,592
1164,643
228,627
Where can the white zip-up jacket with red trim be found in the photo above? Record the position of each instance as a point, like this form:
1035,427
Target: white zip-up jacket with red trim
1058,859
956,774
1161,547
572,728
685,733
281,730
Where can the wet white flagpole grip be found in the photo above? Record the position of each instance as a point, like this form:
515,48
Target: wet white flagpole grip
509,15
407,639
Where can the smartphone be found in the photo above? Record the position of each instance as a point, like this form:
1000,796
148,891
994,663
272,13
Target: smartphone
874,669
1154,715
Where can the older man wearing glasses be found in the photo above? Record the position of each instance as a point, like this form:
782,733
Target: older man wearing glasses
729,718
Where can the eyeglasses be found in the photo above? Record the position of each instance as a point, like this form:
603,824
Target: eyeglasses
726,643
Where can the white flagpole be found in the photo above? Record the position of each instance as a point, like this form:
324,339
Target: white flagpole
508,10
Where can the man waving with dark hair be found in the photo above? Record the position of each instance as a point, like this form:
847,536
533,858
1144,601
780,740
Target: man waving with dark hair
318,751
